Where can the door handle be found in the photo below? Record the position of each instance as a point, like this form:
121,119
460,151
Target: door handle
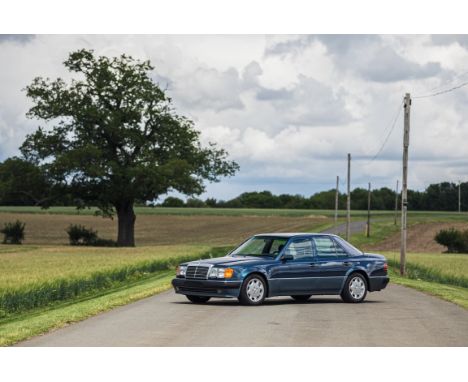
313,265
347,263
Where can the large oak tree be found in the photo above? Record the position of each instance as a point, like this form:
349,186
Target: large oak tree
113,138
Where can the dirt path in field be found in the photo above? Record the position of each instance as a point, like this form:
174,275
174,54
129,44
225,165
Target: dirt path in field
164,229
420,238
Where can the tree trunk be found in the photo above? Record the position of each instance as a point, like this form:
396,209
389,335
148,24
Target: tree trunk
126,221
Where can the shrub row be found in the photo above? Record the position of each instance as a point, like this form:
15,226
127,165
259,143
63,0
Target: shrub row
419,272
27,298
455,240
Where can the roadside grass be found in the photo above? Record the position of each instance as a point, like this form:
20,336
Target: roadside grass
30,324
457,295
380,230
26,285
443,268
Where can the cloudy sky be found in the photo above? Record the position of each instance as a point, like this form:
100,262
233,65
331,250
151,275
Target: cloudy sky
287,108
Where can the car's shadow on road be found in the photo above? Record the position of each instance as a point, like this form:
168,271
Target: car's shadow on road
273,302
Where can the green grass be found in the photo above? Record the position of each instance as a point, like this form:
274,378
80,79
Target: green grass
450,269
457,295
52,277
34,323
25,265
231,212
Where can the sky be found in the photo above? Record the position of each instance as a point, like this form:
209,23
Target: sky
287,108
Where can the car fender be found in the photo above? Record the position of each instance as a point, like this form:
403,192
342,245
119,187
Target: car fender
357,268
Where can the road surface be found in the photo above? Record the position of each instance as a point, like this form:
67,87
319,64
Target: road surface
397,316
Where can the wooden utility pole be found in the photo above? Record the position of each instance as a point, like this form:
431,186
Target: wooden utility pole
337,195
459,196
368,210
348,201
404,190
396,203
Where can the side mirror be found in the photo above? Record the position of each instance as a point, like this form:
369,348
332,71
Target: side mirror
287,256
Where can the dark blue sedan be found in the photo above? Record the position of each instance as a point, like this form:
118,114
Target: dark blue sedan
284,264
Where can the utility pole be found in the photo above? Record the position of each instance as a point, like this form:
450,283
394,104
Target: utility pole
404,190
396,203
459,196
368,210
337,194
348,201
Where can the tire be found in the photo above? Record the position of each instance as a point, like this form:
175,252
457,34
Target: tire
253,291
198,299
301,298
355,288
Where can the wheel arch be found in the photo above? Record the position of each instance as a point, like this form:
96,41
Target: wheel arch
361,272
262,275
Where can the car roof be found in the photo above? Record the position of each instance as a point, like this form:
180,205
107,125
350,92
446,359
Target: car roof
288,235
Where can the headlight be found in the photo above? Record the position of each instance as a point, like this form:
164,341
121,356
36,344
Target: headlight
221,273
180,271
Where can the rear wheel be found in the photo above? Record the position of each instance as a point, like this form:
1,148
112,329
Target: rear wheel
198,299
301,298
355,288
253,291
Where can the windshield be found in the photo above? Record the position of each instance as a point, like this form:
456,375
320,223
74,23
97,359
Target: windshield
261,246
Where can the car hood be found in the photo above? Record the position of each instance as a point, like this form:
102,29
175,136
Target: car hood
229,261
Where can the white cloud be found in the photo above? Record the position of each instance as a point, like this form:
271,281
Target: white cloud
287,108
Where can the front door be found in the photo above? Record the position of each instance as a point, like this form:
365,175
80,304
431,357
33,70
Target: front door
296,276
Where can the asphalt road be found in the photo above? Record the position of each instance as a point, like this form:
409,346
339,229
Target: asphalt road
397,316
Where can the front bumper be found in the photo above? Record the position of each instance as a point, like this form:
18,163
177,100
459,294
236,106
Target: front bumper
209,288
377,283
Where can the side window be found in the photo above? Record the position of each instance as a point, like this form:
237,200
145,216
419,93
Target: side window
339,249
325,246
277,245
300,249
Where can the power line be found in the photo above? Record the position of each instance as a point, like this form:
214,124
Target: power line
445,83
389,133
443,91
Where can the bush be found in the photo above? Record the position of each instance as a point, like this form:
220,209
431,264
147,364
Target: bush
172,201
195,203
13,232
80,235
455,240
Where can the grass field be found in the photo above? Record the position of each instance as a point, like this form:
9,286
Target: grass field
28,265
36,277
233,212
48,229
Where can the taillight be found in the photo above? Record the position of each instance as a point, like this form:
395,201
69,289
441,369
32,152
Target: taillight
385,267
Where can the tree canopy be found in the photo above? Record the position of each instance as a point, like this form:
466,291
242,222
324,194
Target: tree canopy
113,138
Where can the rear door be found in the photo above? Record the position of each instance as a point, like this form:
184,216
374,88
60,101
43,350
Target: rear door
332,264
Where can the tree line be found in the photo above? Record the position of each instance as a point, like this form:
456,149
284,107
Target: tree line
437,197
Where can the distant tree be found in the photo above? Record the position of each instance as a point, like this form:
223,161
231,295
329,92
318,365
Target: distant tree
172,201
24,183
211,202
195,203
116,139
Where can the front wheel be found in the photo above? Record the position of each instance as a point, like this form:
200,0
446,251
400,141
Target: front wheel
355,288
198,299
301,298
253,291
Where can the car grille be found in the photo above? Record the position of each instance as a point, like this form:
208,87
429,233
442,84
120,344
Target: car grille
196,272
